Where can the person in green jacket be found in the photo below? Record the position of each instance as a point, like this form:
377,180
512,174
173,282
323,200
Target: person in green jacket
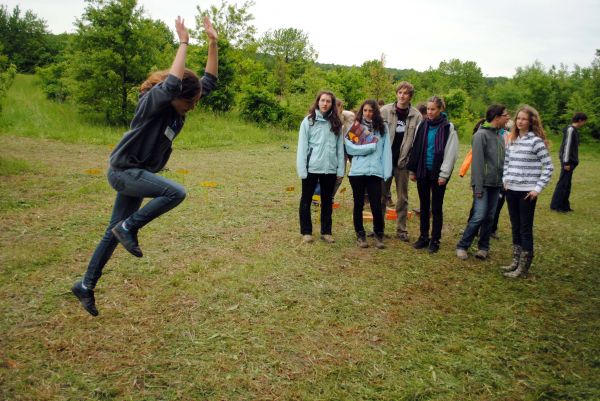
486,180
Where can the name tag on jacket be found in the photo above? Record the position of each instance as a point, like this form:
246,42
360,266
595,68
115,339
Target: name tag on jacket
169,133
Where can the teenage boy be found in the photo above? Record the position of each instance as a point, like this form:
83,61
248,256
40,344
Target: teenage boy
569,159
402,120
486,180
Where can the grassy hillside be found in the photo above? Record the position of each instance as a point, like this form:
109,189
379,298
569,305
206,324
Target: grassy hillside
227,305
28,113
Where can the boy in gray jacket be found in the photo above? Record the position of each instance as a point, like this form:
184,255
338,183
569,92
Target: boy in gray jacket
402,120
486,180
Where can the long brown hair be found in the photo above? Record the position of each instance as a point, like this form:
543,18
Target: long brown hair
332,116
190,83
377,119
535,124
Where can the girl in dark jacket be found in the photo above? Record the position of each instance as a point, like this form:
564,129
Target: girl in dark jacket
165,99
430,164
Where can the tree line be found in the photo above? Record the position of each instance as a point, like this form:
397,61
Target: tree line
271,79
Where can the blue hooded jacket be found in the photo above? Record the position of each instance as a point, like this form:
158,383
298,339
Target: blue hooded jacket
371,159
320,151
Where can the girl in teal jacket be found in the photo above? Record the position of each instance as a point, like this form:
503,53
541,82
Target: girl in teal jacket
319,159
369,145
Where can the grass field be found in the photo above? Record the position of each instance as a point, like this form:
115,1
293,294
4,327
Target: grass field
227,305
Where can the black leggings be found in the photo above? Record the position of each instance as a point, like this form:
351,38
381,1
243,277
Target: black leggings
431,197
521,213
373,185
327,182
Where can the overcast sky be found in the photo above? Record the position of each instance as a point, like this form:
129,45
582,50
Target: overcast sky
498,35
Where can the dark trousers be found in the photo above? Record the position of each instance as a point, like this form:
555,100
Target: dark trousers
562,192
521,212
501,199
374,186
132,186
327,183
431,198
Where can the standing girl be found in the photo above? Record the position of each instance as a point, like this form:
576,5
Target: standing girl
165,99
371,153
319,159
431,163
527,170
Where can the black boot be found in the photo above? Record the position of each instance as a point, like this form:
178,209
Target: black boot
421,243
86,297
128,239
434,246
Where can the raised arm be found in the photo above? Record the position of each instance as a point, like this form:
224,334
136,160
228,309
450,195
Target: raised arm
212,62
178,66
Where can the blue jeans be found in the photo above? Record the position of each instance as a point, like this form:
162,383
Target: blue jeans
132,186
484,210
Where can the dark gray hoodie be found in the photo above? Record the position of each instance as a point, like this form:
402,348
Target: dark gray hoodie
147,144
488,159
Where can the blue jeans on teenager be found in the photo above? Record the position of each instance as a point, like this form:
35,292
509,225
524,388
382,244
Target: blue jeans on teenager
132,186
484,210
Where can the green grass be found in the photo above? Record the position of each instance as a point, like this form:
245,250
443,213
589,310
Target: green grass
227,305
11,166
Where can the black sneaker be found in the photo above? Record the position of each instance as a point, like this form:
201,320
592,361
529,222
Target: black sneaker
434,246
86,297
127,239
421,243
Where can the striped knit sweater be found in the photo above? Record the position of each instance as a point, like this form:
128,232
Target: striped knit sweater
527,164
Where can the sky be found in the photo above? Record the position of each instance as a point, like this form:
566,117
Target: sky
498,35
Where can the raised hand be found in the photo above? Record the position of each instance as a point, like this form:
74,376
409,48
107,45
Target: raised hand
182,31
209,29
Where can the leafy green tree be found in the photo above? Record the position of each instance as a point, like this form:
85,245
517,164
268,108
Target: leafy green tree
379,83
223,97
586,97
463,75
232,22
288,44
54,77
7,74
237,46
24,38
352,83
114,50
292,52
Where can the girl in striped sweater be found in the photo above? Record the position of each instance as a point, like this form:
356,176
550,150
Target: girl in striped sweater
527,170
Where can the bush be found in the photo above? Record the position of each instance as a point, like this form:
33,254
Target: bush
52,80
7,76
262,107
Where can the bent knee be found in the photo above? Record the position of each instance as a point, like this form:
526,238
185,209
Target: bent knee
177,193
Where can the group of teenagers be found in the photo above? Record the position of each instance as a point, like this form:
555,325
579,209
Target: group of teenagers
394,141
398,143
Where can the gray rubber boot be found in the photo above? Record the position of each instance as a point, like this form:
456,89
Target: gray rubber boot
515,261
524,265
